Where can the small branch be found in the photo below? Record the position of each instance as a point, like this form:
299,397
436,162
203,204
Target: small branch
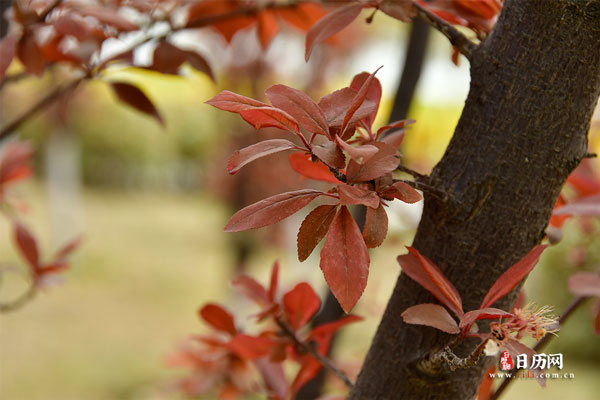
425,188
456,37
413,173
590,155
339,175
23,299
8,129
13,78
574,305
325,362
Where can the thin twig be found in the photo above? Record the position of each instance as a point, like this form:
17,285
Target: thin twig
574,305
590,155
425,188
24,298
325,362
456,37
413,173
13,78
37,107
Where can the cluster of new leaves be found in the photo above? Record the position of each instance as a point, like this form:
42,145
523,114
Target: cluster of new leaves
15,165
337,145
508,328
75,33
229,359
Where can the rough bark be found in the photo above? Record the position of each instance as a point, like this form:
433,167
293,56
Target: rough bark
534,84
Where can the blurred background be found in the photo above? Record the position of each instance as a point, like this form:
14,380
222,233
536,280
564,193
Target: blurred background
151,202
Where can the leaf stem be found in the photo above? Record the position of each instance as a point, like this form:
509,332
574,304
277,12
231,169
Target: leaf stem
325,362
425,188
464,45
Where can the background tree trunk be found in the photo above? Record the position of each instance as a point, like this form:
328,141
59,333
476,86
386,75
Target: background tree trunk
534,84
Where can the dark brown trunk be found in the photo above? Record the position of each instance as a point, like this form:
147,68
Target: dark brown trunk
534,84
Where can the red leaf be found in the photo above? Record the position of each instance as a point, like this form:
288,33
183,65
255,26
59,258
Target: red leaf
383,162
403,192
313,229
270,210
299,106
167,58
67,249
432,315
374,92
428,275
585,284
274,377
27,245
302,15
394,139
69,25
376,226
256,151
302,164
331,24
345,260
263,117
584,207
15,161
8,47
330,154
328,329
483,313
395,125
515,274
402,10
309,369
249,347
135,98
233,102
336,104
360,154
30,54
250,288
515,348
359,99
301,304
485,387
351,195
218,318
199,63
267,27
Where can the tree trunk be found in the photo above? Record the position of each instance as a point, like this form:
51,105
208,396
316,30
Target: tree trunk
534,84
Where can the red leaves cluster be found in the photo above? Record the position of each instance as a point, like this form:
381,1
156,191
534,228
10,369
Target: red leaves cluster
337,145
427,274
227,359
478,15
245,14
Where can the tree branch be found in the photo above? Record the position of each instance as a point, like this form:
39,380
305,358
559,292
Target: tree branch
23,299
456,37
325,362
8,129
578,301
